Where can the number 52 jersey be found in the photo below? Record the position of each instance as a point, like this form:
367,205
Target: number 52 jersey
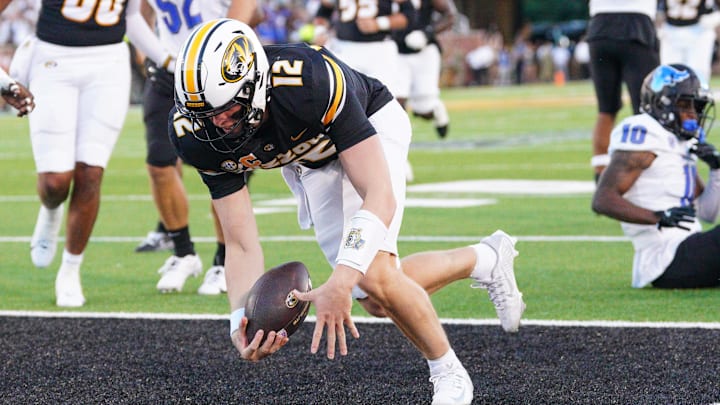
317,107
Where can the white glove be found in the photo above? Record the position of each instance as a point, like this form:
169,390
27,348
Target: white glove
416,40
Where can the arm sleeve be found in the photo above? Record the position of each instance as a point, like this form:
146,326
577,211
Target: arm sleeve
144,38
708,203
5,80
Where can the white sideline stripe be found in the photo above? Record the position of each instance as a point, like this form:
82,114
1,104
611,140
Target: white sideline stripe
362,319
303,238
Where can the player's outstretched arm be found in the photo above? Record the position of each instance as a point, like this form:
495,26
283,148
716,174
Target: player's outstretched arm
624,169
244,264
246,11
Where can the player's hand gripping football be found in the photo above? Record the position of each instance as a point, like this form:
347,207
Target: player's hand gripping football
253,351
675,217
20,98
333,302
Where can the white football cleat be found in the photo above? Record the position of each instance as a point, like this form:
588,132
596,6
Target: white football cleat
452,386
502,287
154,242
43,243
214,282
68,291
176,270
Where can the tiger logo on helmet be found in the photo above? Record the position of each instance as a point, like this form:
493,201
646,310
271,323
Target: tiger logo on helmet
238,60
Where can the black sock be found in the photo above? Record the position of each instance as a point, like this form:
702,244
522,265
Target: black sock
160,228
183,244
219,259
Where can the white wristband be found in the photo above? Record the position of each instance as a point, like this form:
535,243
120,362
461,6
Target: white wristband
235,317
5,81
600,160
383,23
361,241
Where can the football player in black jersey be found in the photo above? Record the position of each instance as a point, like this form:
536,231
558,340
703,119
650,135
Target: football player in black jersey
687,34
341,141
78,68
162,163
362,38
623,49
15,94
420,61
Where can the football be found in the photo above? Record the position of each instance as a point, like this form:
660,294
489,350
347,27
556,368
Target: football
271,305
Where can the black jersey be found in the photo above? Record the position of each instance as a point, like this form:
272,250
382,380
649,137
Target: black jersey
81,23
318,107
423,22
682,13
346,28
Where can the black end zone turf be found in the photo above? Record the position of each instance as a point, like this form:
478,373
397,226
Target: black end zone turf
120,361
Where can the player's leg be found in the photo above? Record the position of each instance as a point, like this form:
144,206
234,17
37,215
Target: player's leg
168,191
104,73
160,158
402,299
214,282
425,91
323,196
155,240
606,74
52,134
696,263
638,61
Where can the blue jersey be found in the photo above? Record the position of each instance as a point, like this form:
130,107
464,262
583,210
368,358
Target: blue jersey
318,107
81,22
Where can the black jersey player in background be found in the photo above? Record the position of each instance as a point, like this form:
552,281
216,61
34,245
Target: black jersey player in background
78,68
341,141
623,49
687,34
420,61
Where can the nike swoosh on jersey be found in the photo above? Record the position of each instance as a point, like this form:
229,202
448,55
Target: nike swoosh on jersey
296,137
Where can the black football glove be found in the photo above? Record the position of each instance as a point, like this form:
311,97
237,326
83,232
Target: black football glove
708,154
161,79
675,216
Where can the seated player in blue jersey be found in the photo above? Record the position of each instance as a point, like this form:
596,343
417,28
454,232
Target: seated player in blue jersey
652,185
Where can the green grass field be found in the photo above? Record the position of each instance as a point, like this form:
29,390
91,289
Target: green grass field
534,132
